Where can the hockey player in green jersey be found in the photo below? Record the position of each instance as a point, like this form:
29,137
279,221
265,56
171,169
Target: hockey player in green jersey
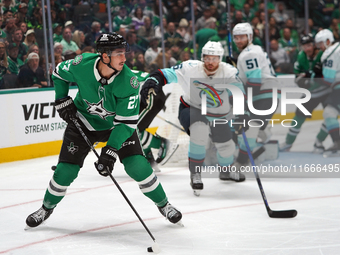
306,67
107,106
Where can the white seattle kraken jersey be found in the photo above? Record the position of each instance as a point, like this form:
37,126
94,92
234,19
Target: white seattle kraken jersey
195,82
255,69
331,65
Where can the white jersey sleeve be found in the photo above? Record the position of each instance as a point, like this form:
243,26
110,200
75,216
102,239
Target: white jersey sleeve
331,65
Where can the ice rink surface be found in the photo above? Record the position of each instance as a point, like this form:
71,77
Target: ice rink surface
228,218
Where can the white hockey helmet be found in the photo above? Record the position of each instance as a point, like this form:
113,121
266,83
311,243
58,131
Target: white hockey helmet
212,48
323,35
244,29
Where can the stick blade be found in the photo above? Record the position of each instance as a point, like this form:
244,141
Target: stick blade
282,214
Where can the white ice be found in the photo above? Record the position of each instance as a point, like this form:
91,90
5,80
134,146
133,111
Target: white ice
228,218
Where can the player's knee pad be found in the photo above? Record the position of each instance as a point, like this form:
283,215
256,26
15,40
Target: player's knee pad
137,167
65,173
199,133
330,112
226,149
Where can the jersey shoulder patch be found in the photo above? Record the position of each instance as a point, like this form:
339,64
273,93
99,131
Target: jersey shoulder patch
134,82
77,60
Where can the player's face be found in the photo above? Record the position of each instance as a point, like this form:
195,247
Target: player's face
241,41
118,59
321,46
211,62
308,48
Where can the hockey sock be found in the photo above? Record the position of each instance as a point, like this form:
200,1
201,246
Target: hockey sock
225,152
196,157
63,176
138,168
333,128
294,131
149,141
323,133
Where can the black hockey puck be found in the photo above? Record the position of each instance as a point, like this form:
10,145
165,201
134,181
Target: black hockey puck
53,167
150,249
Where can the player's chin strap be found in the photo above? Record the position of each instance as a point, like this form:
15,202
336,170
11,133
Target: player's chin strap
109,64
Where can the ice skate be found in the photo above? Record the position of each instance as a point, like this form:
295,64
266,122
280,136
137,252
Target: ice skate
318,147
196,183
232,173
333,151
35,219
171,213
285,147
166,150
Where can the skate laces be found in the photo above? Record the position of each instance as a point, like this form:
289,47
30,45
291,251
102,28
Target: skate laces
40,214
196,177
169,211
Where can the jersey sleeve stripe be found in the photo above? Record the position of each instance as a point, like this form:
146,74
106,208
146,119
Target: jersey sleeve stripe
122,118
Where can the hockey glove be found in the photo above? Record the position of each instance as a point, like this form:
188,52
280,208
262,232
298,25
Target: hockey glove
240,122
106,160
66,108
151,85
318,70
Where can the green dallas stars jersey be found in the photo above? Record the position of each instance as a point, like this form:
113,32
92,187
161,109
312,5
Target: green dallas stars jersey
304,64
101,107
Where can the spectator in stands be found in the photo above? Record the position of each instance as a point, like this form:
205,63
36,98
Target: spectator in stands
158,62
22,13
312,29
67,42
93,35
185,55
14,63
62,16
158,30
31,74
279,15
140,62
58,48
122,31
289,44
152,52
9,28
280,57
69,24
8,14
222,37
248,13
294,32
130,59
197,12
88,49
131,39
23,27
155,13
335,28
79,38
183,31
57,32
171,35
202,21
3,35
3,61
326,7
8,5
146,31
175,15
121,19
17,38
238,18
30,38
138,18
33,48
203,36
69,54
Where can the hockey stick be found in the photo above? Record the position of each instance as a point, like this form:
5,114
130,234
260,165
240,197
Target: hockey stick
229,31
78,126
169,122
271,213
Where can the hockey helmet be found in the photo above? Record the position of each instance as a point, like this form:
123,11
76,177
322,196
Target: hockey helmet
212,48
108,42
307,39
244,29
323,36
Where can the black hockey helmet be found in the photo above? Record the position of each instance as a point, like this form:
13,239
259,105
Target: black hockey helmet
108,42
307,39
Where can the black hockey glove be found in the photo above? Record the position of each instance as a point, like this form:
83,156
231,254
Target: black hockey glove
66,108
232,61
303,80
318,70
240,122
106,160
151,85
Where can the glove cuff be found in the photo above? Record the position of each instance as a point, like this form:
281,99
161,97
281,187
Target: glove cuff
63,102
110,151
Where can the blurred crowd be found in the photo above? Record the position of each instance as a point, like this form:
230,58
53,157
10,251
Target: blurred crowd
77,25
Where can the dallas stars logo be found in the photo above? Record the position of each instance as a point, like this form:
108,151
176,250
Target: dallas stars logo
98,109
72,148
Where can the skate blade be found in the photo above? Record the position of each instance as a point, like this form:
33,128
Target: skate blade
171,152
197,192
27,228
180,224
318,151
331,154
